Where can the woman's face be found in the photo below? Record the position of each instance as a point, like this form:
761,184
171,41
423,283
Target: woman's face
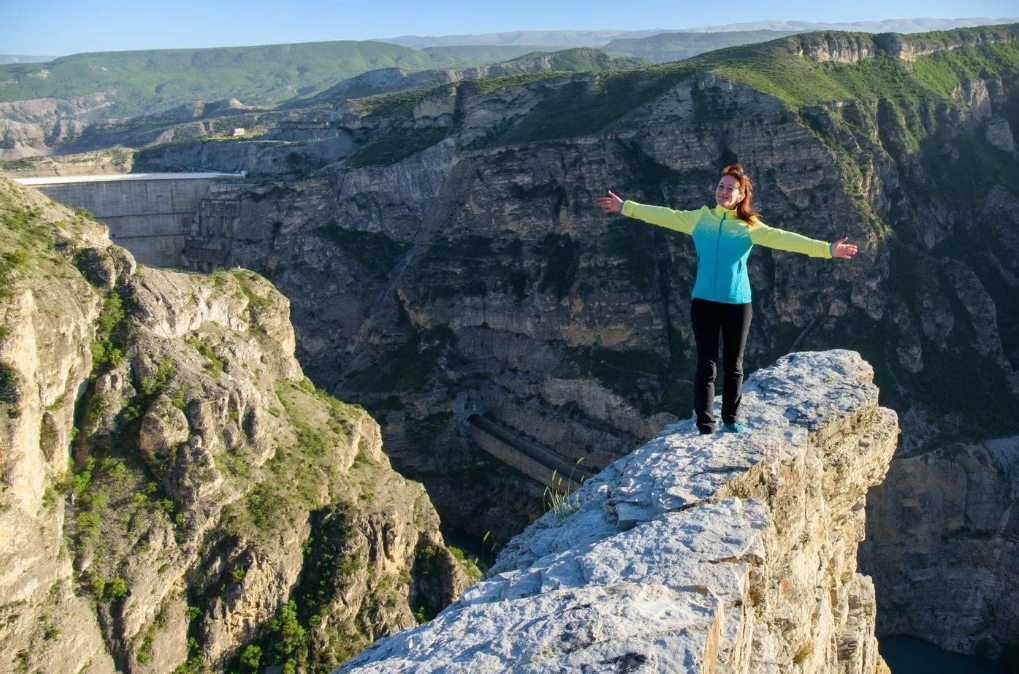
728,194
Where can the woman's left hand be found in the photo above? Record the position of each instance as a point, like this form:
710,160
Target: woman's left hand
843,250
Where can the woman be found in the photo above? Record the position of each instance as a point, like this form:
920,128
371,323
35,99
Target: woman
723,237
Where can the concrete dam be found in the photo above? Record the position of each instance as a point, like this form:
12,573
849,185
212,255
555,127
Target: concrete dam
150,214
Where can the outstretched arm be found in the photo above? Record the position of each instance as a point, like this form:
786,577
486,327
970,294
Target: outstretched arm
680,221
779,239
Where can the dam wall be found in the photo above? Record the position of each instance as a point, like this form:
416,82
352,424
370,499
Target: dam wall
150,214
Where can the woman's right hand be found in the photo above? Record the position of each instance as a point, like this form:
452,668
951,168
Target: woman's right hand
611,203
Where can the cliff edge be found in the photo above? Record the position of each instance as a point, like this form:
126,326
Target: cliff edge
723,553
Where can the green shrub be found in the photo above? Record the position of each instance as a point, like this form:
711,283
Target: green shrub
89,524
251,657
144,655
82,479
111,336
287,630
117,589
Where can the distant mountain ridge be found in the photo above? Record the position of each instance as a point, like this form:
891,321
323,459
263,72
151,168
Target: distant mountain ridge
601,38
36,115
921,25
13,58
147,81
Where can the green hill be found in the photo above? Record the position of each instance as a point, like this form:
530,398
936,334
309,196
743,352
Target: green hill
489,53
676,46
149,81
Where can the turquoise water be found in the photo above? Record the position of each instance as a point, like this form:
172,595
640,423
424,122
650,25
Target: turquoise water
906,655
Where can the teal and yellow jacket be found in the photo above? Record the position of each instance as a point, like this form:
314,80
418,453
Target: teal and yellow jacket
723,242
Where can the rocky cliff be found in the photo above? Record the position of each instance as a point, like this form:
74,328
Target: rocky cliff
174,493
693,553
943,546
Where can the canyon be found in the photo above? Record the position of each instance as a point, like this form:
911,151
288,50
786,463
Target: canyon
444,260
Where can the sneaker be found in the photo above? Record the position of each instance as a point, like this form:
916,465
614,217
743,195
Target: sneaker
734,427
705,430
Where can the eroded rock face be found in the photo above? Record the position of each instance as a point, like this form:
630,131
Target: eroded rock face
943,547
201,460
732,553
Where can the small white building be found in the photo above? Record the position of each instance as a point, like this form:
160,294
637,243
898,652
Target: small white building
238,132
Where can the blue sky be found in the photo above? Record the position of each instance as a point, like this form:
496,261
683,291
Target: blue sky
59,27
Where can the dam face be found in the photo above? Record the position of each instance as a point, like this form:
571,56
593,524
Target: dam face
150,214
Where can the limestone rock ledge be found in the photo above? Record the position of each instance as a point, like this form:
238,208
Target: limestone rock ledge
722,553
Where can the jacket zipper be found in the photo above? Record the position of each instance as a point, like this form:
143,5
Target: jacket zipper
718,242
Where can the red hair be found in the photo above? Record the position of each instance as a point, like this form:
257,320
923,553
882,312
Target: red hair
744,210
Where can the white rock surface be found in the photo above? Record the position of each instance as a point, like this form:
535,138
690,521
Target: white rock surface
723,553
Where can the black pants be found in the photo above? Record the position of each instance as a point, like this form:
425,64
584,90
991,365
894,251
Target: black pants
733,321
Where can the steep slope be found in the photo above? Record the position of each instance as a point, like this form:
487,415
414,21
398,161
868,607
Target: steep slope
178,494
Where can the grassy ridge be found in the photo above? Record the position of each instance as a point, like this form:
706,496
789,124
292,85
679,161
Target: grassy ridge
775,68
588,104
147,81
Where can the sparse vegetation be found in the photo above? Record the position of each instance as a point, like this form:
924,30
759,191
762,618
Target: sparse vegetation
803,653
562,500
111,333
214,365
144,655
468,564
395,146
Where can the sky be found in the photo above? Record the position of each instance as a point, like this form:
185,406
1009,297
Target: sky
61,27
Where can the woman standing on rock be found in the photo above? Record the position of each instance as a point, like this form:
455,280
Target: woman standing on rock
723,237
